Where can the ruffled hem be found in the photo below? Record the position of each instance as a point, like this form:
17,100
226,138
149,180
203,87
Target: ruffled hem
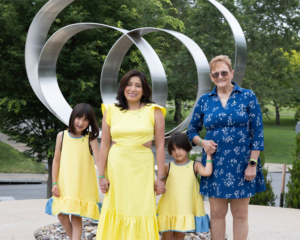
183,223
122,227
73,206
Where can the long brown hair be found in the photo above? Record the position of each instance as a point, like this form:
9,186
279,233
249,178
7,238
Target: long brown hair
80,110
147,92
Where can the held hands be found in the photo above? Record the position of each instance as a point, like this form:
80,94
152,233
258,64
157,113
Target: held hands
209,146
55,191
104,185
250,173
159,186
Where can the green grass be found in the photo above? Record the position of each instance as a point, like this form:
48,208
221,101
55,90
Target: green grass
12,161
279,140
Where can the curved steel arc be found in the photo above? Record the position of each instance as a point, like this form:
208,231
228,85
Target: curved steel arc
36,38
240,43
47,67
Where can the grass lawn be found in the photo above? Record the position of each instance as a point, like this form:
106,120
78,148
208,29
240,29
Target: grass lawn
12,161
279,140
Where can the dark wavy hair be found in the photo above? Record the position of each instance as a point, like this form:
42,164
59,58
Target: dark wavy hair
179,140
80,110
147,92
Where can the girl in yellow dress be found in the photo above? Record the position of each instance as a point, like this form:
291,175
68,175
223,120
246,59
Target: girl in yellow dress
181,208
127,167
75,189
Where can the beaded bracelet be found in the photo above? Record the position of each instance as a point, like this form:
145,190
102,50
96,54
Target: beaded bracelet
55,183
101,176
209,161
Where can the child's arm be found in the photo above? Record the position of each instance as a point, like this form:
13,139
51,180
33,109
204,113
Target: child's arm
207,170
166,170
103,153
56,163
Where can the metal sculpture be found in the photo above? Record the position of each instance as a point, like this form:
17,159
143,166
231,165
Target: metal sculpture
41,58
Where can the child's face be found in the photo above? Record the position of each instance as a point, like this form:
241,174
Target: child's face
179,154
80,124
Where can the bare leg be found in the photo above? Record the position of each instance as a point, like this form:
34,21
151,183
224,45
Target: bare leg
76,227
218,211
239,210
167,235
65,222
179,236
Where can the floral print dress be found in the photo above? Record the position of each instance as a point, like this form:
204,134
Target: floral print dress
237,128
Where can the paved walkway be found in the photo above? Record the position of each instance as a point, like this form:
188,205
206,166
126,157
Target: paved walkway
20,219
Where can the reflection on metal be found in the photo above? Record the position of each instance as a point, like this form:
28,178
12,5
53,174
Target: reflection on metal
41,58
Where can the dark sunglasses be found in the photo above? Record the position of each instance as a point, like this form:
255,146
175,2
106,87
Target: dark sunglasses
223,73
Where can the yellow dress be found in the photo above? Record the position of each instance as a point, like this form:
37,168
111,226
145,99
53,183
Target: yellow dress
128,211
181,208
77,181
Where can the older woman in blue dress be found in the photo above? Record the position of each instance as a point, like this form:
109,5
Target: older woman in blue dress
234,135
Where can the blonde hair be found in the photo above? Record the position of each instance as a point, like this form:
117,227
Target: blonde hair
222,58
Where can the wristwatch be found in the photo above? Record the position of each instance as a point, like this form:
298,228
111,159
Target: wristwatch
252,163
162,177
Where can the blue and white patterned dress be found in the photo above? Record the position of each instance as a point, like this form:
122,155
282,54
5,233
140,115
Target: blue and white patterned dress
237,128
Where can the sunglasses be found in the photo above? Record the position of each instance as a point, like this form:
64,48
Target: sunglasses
223,73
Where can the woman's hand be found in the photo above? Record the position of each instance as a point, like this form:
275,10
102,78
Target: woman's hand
250,173
55,191
209,146
104,185
159,186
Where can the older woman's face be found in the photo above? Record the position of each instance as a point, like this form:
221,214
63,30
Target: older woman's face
221,75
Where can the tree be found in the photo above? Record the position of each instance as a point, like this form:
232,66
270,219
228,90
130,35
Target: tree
292,197
79,65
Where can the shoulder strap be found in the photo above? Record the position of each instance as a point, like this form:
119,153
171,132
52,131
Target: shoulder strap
194,169
169,169
90,148
62,138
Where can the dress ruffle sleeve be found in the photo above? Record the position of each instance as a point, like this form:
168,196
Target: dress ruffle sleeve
153,106
107,108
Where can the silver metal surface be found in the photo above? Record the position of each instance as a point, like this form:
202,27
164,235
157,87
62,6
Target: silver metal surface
41,59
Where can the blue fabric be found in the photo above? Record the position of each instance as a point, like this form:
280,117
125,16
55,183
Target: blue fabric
202,224
48,209
237,128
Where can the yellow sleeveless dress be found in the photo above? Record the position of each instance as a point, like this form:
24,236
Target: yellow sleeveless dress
77,181
181,208
128,211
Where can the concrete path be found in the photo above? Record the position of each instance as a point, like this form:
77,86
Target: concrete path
20,219
19,146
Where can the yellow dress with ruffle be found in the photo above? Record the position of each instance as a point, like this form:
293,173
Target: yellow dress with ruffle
77,181
181,208
129,210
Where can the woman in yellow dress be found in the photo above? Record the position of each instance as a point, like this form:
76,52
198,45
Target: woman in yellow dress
127,168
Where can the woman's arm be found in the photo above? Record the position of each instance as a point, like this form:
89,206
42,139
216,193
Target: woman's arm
56,163
103,153
207,170
250,172
159,137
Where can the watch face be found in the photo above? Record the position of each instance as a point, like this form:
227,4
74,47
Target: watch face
252,163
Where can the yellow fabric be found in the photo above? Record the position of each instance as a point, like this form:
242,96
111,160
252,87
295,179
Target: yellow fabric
128,210
182,202
77,180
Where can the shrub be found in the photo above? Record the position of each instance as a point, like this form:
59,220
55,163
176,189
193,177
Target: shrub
292,197
297,114
266,198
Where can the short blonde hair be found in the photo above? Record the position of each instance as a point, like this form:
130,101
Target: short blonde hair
222,58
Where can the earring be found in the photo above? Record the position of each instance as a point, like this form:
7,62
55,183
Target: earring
143,99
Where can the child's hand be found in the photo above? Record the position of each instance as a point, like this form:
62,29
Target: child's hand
104,185
159,186
55,191
160,191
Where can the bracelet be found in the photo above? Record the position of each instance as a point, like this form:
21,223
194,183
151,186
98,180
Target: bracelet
101,176
200,142
55,183
253,160
209,161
